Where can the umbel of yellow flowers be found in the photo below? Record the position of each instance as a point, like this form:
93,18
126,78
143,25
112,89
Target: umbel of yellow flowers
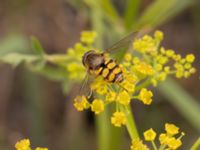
167,140
147,64
24,144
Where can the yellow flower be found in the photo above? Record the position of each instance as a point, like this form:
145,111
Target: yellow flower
128,57
190,58
97,106
81,103
145,96
23,145
88,37
138,145
110,96
39,148
158,35
171,129
130,87
145,44
118,119
123,98
164,138
102,89
144,68
150,135
174,143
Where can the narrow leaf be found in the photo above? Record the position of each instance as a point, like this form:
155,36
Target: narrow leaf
183,101
37,47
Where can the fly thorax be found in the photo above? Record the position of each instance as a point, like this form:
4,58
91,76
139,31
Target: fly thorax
92,60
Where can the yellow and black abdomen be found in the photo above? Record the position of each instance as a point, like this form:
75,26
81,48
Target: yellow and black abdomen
110,71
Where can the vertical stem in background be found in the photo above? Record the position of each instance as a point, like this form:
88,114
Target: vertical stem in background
103,130
33,96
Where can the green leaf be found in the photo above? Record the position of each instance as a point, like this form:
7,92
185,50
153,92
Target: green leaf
182,100
37,47
160,11
131,12
15,59
109,10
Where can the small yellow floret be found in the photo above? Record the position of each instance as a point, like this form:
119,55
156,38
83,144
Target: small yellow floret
110,97
128,57
150,135
190,58
88,37
81,103
137,144
118,119
164,138
97,106
145,96
171,129
144,68
158,35
23,145
174,143
123,98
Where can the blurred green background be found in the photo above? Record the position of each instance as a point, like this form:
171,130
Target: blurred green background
39,107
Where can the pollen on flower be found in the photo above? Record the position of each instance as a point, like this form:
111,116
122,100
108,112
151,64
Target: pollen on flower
145,96
81,103
23,144
118,119
171,129
123,98
150,135
97,106
137,144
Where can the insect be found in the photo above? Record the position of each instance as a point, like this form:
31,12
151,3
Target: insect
99,65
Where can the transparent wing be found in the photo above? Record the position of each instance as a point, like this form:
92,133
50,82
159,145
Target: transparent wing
85,88
126,41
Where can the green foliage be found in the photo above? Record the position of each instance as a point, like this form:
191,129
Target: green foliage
182,100
161,11
37,47
15,59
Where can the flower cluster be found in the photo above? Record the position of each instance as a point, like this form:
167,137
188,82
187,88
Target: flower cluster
24,144
167,140
147,64
75,67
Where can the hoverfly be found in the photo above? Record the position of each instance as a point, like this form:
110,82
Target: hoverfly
97,64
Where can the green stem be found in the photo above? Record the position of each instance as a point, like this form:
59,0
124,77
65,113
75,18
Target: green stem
103,130
154,145
196,145
130,124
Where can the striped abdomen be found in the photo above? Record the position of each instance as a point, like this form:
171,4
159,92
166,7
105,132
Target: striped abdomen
110,71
